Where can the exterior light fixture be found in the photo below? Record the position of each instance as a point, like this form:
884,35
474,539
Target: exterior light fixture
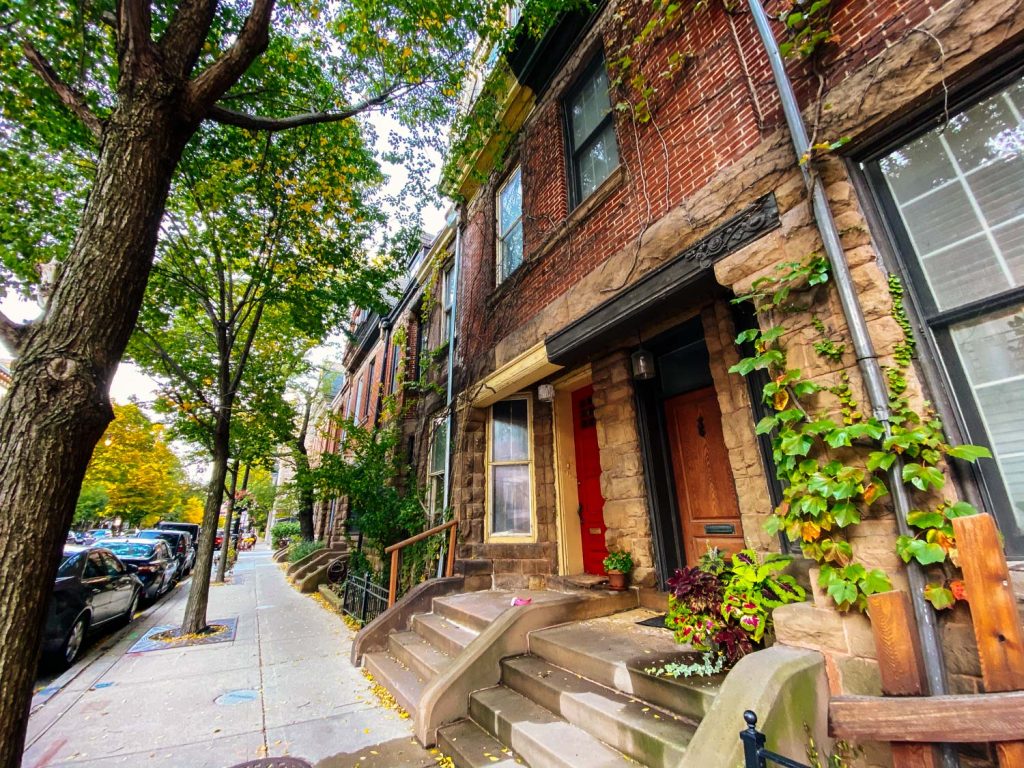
643,365
546,393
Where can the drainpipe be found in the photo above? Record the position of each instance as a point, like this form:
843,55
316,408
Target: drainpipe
453,220
867,358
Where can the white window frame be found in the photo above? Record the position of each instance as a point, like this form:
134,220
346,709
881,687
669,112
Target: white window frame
447,301
489,533
499,268
435,477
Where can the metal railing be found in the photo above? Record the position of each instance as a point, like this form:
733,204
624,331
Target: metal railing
362,598
754,753
395,550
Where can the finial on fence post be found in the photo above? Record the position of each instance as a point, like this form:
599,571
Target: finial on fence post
753,742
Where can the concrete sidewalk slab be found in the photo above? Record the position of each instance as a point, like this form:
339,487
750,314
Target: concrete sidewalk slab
286,682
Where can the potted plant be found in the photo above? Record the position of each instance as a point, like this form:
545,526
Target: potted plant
618,565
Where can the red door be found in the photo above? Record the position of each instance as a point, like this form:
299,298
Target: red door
588,480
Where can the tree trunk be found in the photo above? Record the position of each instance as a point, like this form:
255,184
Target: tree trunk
58,404
222,562
303,478
199,591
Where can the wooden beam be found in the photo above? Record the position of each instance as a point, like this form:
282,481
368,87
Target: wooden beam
973,718
997,626
900,665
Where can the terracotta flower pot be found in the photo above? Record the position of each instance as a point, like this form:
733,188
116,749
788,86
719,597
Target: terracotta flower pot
617,580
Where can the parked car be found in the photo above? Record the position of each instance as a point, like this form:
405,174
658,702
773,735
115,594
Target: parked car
180,543
99,533
93,589
151,560
193,529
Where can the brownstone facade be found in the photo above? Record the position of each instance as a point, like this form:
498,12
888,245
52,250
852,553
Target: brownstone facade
715,147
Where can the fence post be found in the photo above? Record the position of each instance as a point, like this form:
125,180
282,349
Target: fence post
997,625
753,742
366,595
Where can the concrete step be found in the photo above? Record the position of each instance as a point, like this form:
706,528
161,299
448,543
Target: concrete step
539,737
647,734
442,633
470,746
478,610
403,683
615,653
417,654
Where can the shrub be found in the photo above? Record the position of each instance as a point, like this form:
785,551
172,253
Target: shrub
301,549
283,531
727,608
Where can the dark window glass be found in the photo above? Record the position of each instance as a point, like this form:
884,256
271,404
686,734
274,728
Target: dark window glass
94,567
593,149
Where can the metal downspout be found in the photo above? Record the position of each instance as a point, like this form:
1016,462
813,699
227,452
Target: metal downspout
454,288
867,359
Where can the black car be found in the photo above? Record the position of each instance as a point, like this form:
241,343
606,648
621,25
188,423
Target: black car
180,543
151,560
93,589
191,528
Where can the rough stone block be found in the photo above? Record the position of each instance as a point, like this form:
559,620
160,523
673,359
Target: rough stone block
805,626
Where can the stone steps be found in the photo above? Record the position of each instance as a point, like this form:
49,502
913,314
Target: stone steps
417,654
442,633
616,656
470,746
538,736
649,735
403,683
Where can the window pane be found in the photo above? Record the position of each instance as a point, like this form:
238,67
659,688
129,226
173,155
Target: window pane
589,106
991,351
509,431
438,446
958,191
511,252
598,161
510,202
510,504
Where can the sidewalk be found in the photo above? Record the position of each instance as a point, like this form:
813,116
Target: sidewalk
284,686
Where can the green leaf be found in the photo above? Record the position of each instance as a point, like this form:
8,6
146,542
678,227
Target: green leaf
960,509
923,477
766,425
880,460
923,519
875,581
925,553
846,514
969,452
940,597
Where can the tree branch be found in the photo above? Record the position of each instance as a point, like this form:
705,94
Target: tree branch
251,42
12,334
71,98
238,119
182,41
134,27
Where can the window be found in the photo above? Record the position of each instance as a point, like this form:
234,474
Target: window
396,358
94,567
436,466
510,225
593,151
369,390
356,414
513,14
954,198
510,469
447,302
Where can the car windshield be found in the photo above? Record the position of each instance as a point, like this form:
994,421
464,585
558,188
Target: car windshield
150,534
68,563
130,549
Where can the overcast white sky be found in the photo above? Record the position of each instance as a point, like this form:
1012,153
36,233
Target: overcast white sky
129,381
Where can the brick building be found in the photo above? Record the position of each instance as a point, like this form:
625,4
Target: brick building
600,255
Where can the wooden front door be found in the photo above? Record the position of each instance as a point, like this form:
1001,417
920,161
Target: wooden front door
708,511
588,480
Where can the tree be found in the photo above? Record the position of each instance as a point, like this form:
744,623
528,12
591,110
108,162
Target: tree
134,471
140,79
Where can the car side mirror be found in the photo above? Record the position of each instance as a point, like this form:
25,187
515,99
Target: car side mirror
131,567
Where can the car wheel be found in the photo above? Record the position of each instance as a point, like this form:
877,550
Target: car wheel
132,607
74,641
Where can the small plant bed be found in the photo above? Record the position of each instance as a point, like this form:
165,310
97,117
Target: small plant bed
723,609
163,638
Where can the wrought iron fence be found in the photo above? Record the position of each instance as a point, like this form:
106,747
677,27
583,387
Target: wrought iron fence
754,753
363,598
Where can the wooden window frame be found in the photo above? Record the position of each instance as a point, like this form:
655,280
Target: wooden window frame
510,538
572,152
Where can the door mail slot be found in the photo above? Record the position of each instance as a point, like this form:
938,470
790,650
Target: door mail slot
719,529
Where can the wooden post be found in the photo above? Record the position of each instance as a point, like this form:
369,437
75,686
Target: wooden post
450,567
393,585
900,665
997,626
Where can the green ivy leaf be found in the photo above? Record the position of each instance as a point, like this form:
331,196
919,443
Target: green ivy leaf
880,460
875,581
766,425
846,514
960,509
969,452
923,477
940,597
924,519
924,552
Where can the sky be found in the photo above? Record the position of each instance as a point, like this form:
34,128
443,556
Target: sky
129,382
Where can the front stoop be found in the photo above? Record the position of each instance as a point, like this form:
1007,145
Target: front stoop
577,696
